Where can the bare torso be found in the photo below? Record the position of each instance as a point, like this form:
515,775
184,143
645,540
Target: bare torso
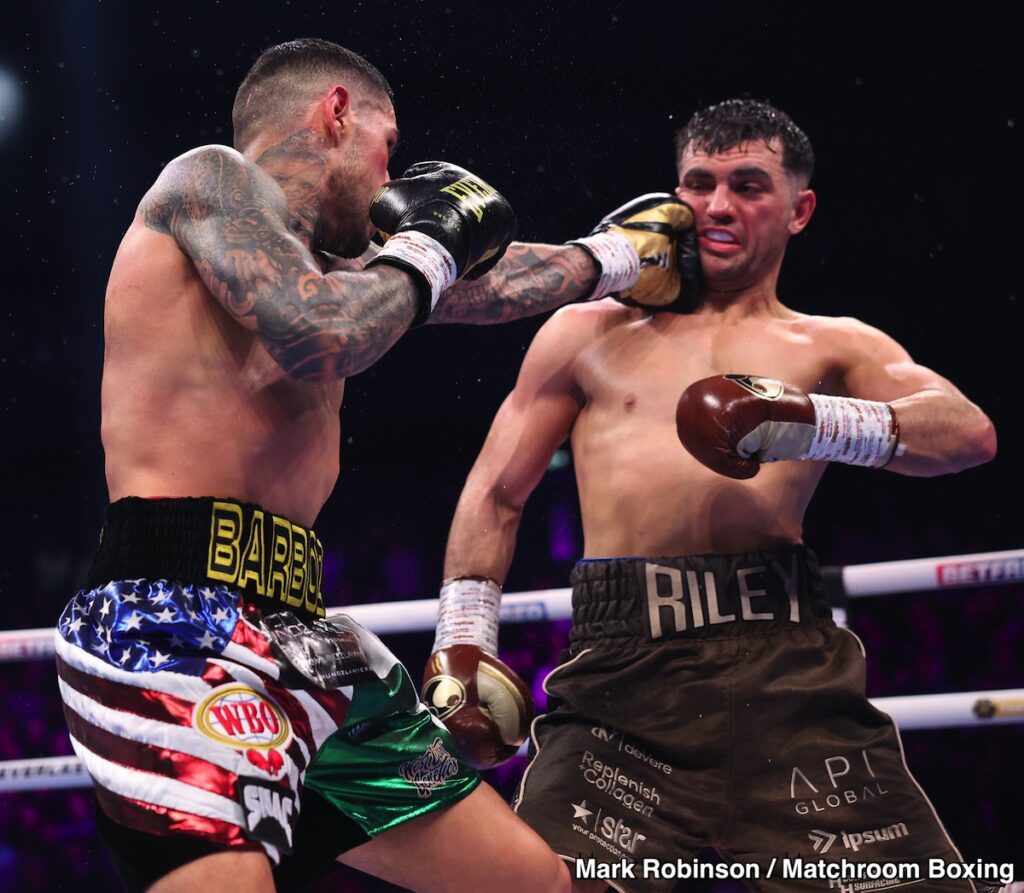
641,493
194,405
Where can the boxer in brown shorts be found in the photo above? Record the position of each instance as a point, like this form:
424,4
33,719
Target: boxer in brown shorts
709,701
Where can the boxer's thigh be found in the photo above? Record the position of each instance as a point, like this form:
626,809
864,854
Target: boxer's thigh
625,802
820,771
476,844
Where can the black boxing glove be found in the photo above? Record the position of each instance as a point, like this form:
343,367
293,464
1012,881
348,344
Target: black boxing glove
732,423
648,254
483,703
441,223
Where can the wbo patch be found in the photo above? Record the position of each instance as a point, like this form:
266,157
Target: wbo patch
270,813
243,718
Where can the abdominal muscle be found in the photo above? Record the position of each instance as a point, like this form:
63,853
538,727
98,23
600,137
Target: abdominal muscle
192,402
641,492
662,502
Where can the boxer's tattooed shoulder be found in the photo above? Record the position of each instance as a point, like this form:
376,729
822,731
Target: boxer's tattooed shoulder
528,280
246,229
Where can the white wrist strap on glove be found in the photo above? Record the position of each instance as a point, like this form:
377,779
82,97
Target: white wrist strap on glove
427,255
619,262
468,614
854,432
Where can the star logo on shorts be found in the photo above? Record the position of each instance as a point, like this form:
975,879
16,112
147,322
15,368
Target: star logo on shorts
580,811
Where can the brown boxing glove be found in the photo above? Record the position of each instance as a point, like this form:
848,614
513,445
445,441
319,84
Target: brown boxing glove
482,702
733,423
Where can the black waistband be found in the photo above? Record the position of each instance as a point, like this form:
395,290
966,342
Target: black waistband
215,541
697,596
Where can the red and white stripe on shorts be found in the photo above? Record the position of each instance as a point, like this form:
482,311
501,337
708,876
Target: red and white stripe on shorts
156,766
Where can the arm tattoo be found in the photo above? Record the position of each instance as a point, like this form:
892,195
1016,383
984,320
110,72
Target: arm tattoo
242,233
529,279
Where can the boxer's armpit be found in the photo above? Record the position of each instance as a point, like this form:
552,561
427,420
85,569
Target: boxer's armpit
529,279
234,224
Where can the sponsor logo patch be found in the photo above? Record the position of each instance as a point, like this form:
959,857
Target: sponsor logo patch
632,793
241,717
839,781
270,813
997,569
431,770
821,841
609,831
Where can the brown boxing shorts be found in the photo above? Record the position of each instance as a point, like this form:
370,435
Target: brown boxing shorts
710,701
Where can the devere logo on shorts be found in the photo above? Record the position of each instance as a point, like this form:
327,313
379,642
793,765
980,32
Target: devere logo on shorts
242,717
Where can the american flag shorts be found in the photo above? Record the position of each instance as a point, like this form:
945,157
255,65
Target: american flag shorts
181,714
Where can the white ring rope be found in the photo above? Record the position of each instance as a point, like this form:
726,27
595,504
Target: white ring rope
420,615
910,711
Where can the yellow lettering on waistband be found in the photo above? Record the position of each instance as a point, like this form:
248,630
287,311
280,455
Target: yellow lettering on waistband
299,566
225,534
314,595
252,557
279,576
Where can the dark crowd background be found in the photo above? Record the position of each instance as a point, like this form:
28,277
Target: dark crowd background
569,109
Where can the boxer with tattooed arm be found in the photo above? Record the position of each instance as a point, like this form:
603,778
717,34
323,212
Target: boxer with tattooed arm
225,722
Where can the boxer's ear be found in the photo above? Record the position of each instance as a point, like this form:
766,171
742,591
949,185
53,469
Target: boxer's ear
335,111
803,207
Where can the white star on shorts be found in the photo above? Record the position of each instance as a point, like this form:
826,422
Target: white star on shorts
165,616
580,811
208,641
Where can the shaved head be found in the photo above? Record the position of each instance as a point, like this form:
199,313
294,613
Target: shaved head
286,78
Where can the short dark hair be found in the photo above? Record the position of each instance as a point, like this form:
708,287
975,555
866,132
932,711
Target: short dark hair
737,121
281,76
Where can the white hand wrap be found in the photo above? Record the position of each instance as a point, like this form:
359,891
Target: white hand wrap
468,614
854,432
427,255
619,262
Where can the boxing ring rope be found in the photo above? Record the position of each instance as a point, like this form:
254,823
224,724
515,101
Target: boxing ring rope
852,581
